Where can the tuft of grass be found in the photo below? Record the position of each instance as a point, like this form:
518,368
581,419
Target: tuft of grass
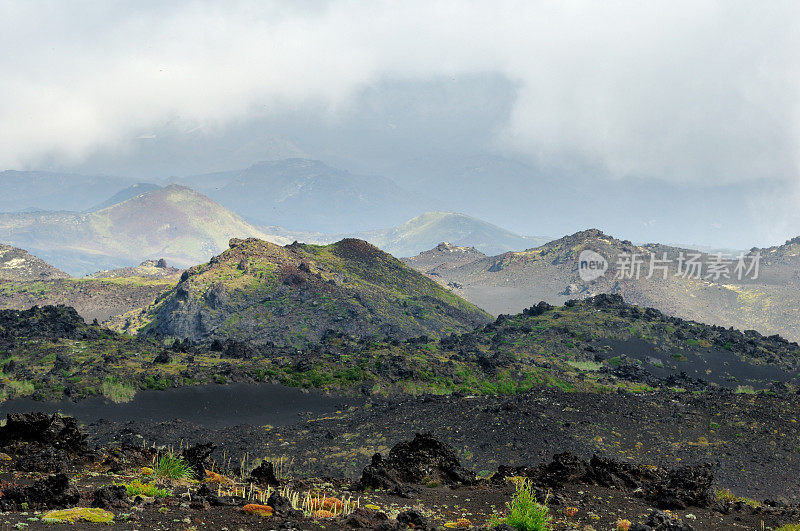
524,513
171,466
588,366
727,495
117,391
137,488
20,387
745,390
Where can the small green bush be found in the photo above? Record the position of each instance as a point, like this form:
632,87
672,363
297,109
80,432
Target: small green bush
727,495
137,488
169,465
524,512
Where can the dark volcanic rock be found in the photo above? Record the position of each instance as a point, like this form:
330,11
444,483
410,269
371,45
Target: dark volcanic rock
111,497
283,506
47,322
48,460
537,309
128,456
53,431
264,474
366,519
51,492
162,358
566,468
198,457
412,518
660,521
688,486
423,458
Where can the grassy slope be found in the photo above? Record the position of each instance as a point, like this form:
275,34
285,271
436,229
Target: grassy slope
100,298
181,225
261,292
514,354
431,228
175,223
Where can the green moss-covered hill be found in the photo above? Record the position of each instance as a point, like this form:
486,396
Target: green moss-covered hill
600,345
264,294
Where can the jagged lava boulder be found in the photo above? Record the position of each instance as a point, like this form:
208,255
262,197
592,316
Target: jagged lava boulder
423,458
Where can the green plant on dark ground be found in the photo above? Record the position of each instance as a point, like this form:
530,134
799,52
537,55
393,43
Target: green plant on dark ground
726,495
137,488
117,391
524,512
169,465
512,355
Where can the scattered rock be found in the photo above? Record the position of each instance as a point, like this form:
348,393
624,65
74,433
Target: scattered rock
688,486
661,521
47,460
198,457
365,519
54,491
283,507
412,518
422,459
264,474
111,497
54,431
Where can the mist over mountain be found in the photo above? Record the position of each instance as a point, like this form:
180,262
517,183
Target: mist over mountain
43,190
309,195
128,193
328,265
174,222
426,230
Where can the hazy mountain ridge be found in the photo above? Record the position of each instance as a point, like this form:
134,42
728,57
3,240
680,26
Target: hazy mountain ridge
431,228
174,222
444,255
125,194
19,264
58,191
308,195
508,282
420,233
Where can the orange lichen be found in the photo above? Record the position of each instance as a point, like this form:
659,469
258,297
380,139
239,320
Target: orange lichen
257,509
323,514
213,477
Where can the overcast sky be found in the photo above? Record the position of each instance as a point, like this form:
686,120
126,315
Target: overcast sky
697,93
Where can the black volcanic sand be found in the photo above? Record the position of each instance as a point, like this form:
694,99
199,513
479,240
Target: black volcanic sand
753,441
213,406
713,365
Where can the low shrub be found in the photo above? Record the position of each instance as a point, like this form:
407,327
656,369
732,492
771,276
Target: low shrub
137,488
524,513
171,466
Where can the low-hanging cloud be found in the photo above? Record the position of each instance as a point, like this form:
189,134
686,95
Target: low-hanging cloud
685,91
